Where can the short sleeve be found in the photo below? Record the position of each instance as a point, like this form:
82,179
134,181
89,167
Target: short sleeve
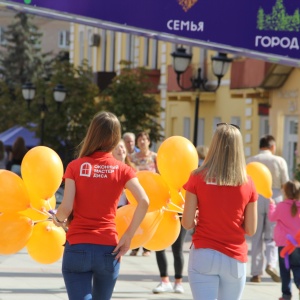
253,193
69,173
190,185
129,173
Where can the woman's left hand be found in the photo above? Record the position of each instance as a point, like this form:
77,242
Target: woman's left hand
123,246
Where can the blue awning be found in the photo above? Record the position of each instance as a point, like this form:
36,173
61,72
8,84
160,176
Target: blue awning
9,136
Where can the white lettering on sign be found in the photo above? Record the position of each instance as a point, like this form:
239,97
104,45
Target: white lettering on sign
275,41
179,25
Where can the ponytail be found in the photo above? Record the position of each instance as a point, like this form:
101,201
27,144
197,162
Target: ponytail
294,209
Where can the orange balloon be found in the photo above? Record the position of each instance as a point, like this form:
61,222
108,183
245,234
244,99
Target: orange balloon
261,177
15,232
42,171
146,229
14,196
166,233
46,243
38,203
34,214
177,200
176,158
155,188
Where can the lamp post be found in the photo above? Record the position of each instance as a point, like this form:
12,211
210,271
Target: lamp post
181,61
59,95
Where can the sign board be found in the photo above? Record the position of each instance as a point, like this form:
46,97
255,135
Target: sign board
268,30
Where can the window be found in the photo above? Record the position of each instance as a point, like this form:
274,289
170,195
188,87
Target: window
130,40
64,39
236,121
113,51
103,50
81,46
186,127
146,51
89,48
154,58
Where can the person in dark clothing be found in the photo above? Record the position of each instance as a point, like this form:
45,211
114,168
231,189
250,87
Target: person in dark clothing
16,155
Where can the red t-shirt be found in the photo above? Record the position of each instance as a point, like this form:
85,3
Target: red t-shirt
99,180
221,215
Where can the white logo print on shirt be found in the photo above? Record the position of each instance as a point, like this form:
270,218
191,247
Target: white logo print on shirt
86,169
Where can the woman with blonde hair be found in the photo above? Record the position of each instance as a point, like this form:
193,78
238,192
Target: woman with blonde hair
226,203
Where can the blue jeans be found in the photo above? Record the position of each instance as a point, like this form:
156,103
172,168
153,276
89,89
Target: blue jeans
214,275
90,271
285,274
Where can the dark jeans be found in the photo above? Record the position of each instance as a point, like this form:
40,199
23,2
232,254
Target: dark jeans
90,271
177,250
285,274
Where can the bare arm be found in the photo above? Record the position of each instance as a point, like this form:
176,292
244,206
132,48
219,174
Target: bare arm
141,197
250,221
189,212
66,205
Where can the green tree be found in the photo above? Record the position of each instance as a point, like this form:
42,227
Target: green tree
278,17
128,98
295,21
260,19
65,123
22,59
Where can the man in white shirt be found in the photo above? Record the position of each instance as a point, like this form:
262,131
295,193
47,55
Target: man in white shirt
129,139
264,234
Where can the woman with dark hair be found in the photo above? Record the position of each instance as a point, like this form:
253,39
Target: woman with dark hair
93,185
3,156
16,155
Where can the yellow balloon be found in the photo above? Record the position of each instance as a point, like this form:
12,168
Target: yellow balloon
177,200
42,171
166,233
146,229
15,232
155,187
261,177
40,204
39,208
176,158
46,243
13,193
34,214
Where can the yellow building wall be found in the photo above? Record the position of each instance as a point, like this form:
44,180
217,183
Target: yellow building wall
180,105
285,102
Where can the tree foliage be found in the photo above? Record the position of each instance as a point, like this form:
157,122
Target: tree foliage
21,62
21,58
278,19
128,98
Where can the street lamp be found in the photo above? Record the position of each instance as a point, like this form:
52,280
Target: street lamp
181,61
59,95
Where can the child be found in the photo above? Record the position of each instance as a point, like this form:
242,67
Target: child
286,216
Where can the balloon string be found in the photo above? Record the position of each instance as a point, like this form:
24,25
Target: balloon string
49,204
182,198
39,221
172,210
180,208
45,213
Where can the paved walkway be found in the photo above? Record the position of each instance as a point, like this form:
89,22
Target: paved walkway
21,278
